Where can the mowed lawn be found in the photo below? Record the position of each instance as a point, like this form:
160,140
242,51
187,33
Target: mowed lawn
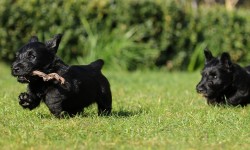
151,110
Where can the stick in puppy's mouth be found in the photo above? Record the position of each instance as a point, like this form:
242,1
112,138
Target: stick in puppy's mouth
47,77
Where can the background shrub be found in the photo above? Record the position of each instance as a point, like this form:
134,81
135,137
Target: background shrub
128,34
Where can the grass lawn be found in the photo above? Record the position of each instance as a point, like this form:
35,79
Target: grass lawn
151,110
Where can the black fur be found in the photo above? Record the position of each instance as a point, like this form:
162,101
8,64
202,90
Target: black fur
224,82
83,86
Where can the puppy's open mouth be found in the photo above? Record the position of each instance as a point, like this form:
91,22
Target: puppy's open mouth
205,95
23,79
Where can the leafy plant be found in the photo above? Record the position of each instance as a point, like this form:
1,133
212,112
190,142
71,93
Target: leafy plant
128,34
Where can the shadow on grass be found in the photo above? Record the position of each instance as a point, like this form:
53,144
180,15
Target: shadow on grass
45,116
117,114
125,113
64,116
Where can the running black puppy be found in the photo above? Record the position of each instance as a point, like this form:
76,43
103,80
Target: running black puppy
224,82
83,85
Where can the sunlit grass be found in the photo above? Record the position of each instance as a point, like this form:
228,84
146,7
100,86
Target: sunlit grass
151,110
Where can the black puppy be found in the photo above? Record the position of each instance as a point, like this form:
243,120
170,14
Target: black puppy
224,82
83,85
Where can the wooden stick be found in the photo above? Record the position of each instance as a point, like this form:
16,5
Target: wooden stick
47,77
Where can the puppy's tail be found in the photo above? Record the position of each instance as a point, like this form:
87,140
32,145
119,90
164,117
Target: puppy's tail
97,65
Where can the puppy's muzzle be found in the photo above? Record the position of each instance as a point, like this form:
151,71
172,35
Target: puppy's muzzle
18,71
200,89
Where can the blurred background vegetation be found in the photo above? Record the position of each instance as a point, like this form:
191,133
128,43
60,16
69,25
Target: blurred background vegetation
130,34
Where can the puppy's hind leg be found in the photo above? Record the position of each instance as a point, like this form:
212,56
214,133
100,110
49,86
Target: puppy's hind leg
104,102
53,100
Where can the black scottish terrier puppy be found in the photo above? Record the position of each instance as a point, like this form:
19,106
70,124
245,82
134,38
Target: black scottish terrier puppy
224,82
83,85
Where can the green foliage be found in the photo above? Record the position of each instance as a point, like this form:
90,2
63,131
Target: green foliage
223,31
189,31
129,34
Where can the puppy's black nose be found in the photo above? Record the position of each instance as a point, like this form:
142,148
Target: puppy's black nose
199,89
16,69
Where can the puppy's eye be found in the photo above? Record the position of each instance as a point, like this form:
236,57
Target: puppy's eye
31,55
213,76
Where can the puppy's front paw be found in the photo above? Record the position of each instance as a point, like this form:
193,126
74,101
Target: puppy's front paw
24,100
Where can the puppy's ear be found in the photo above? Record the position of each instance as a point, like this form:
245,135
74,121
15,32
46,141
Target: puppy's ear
225,60
53,44
33,39
208,55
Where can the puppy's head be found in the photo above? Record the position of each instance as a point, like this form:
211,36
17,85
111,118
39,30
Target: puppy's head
217,75
34,55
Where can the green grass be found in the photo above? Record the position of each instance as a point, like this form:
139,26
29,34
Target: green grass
151,110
